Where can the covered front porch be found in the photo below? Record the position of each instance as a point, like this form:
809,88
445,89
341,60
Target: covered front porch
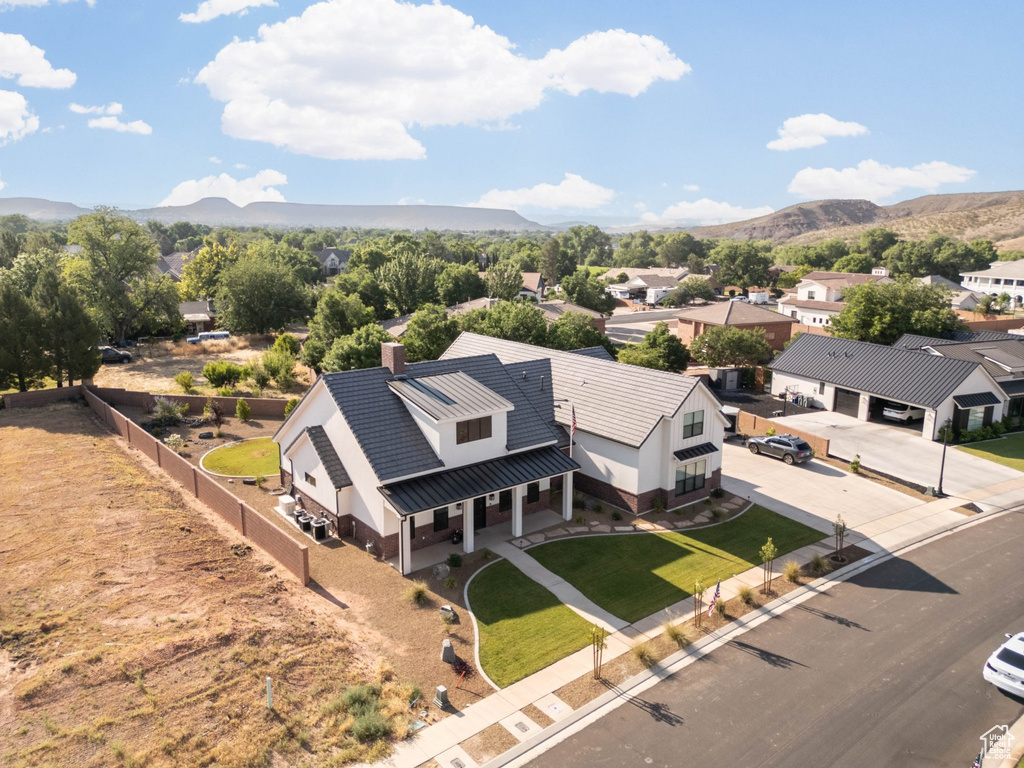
501,494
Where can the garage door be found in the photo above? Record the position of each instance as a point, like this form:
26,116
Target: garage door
847,402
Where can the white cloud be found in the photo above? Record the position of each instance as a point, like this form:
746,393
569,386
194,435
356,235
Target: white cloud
2,185
571,192
112,123
216,160
811,131
211,9
241,192
241,166
5,4
871,180
16,120
691,187
113,108
704,212
387,66
24,61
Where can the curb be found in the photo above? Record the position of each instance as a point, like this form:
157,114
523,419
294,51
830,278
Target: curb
202,459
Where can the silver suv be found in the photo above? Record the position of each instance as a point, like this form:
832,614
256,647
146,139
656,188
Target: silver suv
792,450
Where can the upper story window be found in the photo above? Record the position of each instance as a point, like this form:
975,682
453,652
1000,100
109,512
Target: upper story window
810,295
310,479
474,429
693,424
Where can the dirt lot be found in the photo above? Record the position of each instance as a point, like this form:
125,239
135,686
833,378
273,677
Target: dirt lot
136,629
154,367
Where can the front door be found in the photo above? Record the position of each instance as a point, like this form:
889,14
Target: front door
479,513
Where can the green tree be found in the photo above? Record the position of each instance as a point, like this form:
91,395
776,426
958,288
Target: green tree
287,344
260,296
724,345
22,359
855,262
429,333
362,282
504,281
938,255
575,330
587,245
742,263
555,261
678,250
338,314
512,320
874,242
790,279
201,273
691,289
361,349
586,290
67,333
10,247
115,273
660,349
635,250
881,313
458,283
409,280
303,266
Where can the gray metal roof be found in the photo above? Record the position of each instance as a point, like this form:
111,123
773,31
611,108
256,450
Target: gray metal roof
598,353
328,456
442,489
975,400
388,435
448,395
614,400
906,375
995,355
1013,388
695,452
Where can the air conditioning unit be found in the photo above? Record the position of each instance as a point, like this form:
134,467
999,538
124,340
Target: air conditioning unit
287,504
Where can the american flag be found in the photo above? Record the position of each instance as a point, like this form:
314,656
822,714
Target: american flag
714,598
572,432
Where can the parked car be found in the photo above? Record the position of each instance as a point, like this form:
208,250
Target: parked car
902,412
111,355
1005,667
744,299
209,336
790,449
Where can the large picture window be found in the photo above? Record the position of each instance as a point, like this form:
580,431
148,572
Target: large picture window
690,477
693,424
474,429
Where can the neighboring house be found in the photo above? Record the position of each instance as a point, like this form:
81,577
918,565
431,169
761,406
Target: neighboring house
1001,354
676,273
965,301
818,296
402,456
1001,277
857,378
199,316
533,286
648,288
641,435
333,260
552,310
737,314
173,263
555,308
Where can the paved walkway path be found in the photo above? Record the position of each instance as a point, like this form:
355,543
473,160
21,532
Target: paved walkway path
880,534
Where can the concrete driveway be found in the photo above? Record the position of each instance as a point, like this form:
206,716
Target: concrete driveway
900,452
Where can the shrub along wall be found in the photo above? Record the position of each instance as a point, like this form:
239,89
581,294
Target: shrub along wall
260,407
267,536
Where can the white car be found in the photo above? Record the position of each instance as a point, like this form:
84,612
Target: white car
1005,668
902,412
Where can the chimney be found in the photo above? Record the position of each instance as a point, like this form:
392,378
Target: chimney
392,357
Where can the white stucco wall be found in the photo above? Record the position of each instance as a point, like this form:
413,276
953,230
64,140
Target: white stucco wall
455,455
304,460
804,386
606,460
979,381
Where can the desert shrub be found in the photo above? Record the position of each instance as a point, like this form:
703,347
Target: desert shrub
746,596
598,508
242,410
213,413
360,699
281,367
578,519
616,515
185,380
718,513
455,560
258,375
643,653
677,634
221,373
371,727
175,442
449,583
448,617
225,392
791,570
290,406
257,392
718,493
820,564
770,432
168,413
659,504
720,608
855,464
260,480
417,594
577,501
287,343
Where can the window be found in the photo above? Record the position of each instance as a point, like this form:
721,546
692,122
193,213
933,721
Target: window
441,519
533,493
821,387
310,480
975,419
690,478
810,295
505,501
693,424
474,429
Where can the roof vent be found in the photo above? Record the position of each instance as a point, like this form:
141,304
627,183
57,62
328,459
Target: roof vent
400,377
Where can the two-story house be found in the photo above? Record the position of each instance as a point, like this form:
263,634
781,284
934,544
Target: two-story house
818,297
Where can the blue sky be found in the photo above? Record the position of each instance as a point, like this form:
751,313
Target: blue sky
657,111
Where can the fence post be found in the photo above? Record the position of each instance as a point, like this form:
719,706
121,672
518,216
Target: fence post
159,447
241,514
195,482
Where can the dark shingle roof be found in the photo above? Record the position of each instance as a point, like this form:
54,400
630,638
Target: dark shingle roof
898,374
598,353
387,433
342,254
442,489
328,456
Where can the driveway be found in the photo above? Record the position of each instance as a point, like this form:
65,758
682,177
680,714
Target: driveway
900,452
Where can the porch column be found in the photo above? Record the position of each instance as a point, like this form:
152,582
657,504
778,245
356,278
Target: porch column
517,511
467,526
404,546
567,496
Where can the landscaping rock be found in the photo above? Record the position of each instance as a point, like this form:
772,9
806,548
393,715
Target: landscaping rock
536,538
206,435
623,528
579,529
602,528
447,652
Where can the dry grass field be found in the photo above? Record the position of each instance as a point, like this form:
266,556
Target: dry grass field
137,630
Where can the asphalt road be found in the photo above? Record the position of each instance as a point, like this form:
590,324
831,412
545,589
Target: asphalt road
883,670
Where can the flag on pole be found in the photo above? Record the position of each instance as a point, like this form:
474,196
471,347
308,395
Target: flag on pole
714,598
572,432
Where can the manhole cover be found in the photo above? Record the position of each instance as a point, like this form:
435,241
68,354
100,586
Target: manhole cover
522,727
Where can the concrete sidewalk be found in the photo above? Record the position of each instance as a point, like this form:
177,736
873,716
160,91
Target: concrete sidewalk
881,534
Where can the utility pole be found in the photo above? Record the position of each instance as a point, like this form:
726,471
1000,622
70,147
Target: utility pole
942,466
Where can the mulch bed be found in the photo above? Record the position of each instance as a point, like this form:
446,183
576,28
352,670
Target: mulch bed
489,743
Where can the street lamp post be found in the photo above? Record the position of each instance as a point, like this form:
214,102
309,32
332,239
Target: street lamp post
942,466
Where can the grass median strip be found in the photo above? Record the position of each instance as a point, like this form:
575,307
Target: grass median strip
633,575
249,458
523,626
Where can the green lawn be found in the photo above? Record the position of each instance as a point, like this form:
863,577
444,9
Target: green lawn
633,576
523,627
249,458
1008,451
